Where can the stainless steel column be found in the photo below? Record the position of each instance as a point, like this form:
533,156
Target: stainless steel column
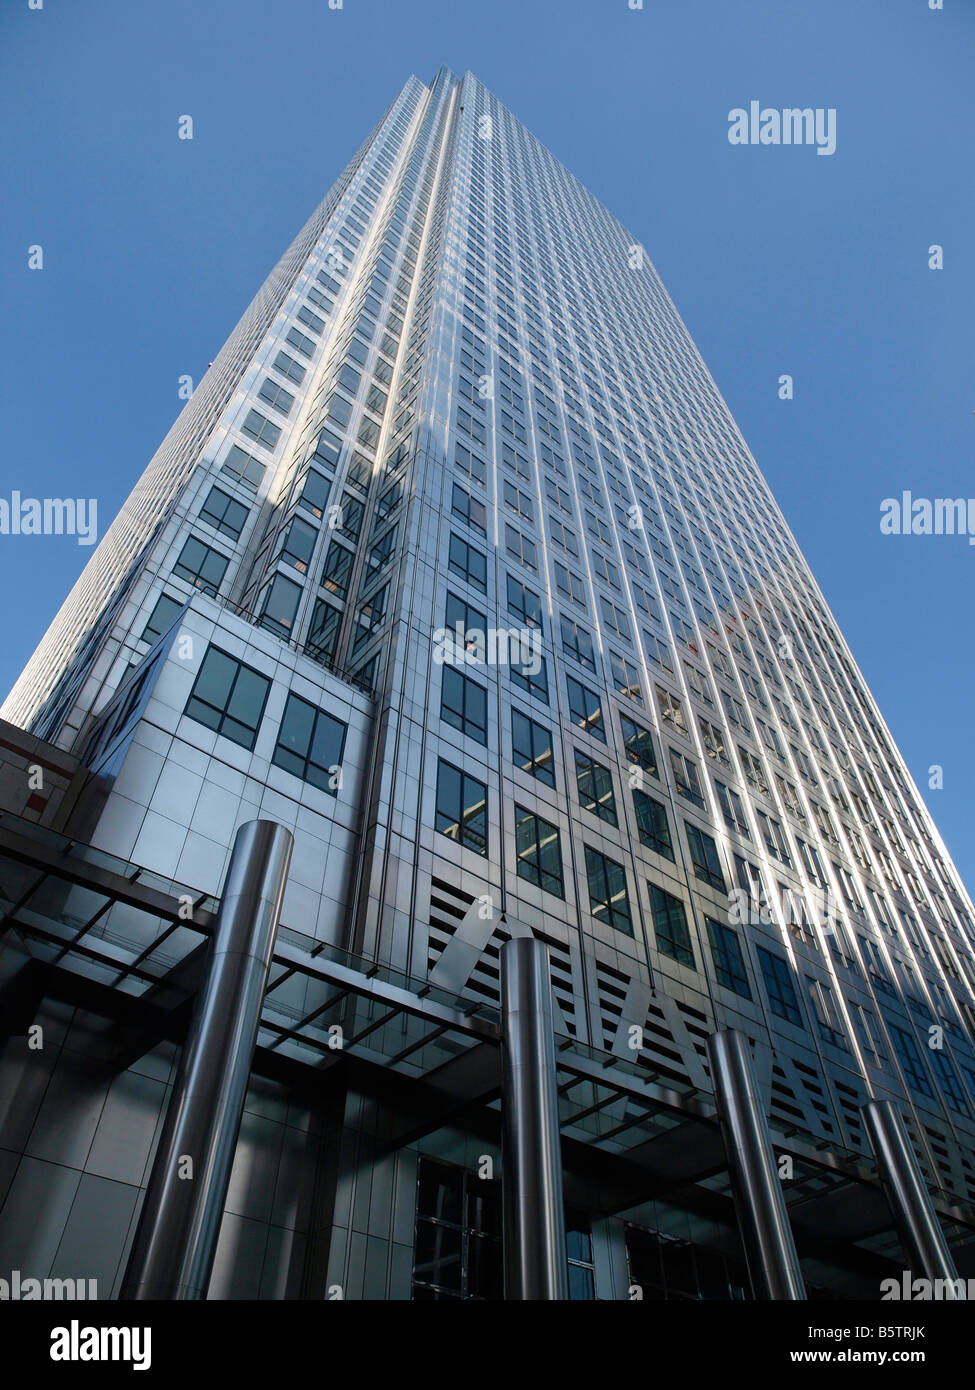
172,1255
907,1195
535,1261
770,1252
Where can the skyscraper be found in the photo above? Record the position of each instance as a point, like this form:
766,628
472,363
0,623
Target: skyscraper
456,566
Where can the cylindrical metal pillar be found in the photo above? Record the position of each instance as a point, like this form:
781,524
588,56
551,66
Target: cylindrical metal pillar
535,1263
172,1255
770,1252
907,1195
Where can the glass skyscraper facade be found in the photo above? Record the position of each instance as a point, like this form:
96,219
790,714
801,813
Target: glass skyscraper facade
457,566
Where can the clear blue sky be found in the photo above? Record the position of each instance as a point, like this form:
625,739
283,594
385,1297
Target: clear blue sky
778,259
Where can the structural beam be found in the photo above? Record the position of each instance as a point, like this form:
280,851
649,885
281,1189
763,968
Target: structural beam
172,1255
535,1264
770,1252
907,1194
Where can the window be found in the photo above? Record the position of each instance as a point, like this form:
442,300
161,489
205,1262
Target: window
732,809
466,562
261,430
754,771
713,740
608,900
538,852
462,617
519,502
310,745
595,784
704,857
525,604
827,1015
458,1235
201,566
243,468
532,748
686,780
520,547
222,512
276,396
670,926
314,492
337,569
585,708
469,509
671,709
228,697
461,812
782,996
323,632
301,343
578,1241
577,643
775,840
298,544
638,745
463,703
909,1056
626,677
530,681
281,599
161,617
729,965
948,1077
652,824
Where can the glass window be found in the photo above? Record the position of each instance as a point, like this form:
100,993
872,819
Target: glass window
577,643
782,997
281,598
243,468
525,604
314,492
461,812
337,570
532,748
298,544
201,566
310,745
638,745
686,779
608,898
652,825
530,681
463,703
468,563
726,953
228,697
585,708
595,784
323,632
538,851
260,429
704,857
670,926
908,1053
224,513
163,614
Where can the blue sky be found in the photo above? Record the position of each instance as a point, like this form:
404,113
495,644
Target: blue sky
779,260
